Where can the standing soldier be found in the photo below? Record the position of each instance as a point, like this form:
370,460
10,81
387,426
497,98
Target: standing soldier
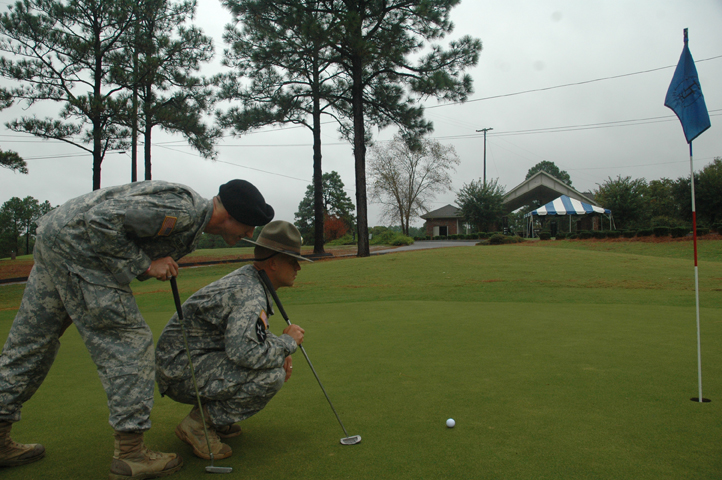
86,254
239,364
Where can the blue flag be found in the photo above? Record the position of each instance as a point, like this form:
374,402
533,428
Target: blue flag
685,97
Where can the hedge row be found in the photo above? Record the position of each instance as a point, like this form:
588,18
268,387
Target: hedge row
675,232
471,236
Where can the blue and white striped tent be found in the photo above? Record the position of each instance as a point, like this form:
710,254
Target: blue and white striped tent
568,206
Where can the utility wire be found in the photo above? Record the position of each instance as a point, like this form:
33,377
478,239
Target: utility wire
240,166
584,82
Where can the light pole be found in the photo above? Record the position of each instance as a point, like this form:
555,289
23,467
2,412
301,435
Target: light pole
485,130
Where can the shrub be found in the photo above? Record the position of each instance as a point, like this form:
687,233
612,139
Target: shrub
599,234
400,239
678,232
585,234
572,236
545,235
629,233
614,234
645,232
702,231
561,236
717,227
501,239
661,231
345,240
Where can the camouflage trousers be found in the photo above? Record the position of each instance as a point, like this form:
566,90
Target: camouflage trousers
230,392
111,326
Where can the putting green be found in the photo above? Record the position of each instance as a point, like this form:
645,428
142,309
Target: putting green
543,382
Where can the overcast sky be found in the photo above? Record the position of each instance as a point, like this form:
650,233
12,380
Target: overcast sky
596,127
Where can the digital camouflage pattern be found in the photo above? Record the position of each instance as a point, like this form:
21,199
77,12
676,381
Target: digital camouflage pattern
110,236
86,253
238,368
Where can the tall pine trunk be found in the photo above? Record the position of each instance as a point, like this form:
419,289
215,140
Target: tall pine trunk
359,152
317,170
148,125
96,109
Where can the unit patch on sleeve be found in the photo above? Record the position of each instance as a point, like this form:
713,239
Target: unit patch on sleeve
167,227
262,326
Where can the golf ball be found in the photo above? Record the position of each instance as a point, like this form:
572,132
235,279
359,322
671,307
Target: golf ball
450,423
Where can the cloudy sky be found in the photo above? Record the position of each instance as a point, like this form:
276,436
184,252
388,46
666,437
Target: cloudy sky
581,84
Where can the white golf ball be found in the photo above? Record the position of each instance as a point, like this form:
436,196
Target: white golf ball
450,423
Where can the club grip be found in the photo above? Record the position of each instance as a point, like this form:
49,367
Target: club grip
176,297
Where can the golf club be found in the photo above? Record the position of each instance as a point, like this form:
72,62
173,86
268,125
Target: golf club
347,440
176,297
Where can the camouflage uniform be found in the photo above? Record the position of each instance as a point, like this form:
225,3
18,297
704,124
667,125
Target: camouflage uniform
86,254
238,361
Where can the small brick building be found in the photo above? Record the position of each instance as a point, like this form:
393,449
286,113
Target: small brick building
444,221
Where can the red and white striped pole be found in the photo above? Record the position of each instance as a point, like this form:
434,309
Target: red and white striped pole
696,278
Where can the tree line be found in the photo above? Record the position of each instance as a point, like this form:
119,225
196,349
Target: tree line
119,68
17,225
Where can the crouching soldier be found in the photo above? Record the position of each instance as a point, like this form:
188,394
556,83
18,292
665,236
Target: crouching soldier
239,364
87,253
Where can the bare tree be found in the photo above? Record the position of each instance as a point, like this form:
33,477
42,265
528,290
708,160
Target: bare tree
406,176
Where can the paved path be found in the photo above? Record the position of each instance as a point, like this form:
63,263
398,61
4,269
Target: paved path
418,245
426,244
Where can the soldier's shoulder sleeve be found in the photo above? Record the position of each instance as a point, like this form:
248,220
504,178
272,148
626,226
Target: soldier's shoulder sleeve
164,213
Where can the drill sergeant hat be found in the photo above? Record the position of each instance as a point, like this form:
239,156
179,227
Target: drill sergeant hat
281,237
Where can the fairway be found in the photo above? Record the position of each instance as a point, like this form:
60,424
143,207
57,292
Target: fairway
554,362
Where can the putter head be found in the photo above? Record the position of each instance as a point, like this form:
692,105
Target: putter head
212,469
352,440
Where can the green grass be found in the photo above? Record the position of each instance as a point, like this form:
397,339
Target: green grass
556,362
707,249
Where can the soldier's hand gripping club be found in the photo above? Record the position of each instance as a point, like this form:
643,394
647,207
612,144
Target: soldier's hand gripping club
163,269
296,332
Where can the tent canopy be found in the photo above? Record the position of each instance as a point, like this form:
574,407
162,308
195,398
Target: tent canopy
567,206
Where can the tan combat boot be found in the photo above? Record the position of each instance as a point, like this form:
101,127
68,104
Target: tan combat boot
190,430
13,454
133,460
228,431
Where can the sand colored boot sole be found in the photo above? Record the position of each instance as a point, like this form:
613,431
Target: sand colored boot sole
13,454
133,460
190,430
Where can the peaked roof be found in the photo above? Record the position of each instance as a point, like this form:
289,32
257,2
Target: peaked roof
449,211
567,206
541,187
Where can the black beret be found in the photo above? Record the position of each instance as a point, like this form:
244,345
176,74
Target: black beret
245,203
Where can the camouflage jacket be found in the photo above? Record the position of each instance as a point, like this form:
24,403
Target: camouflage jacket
230,315
110,236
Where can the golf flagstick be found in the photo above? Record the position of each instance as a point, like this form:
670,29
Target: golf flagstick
347,440
179,309
686,100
